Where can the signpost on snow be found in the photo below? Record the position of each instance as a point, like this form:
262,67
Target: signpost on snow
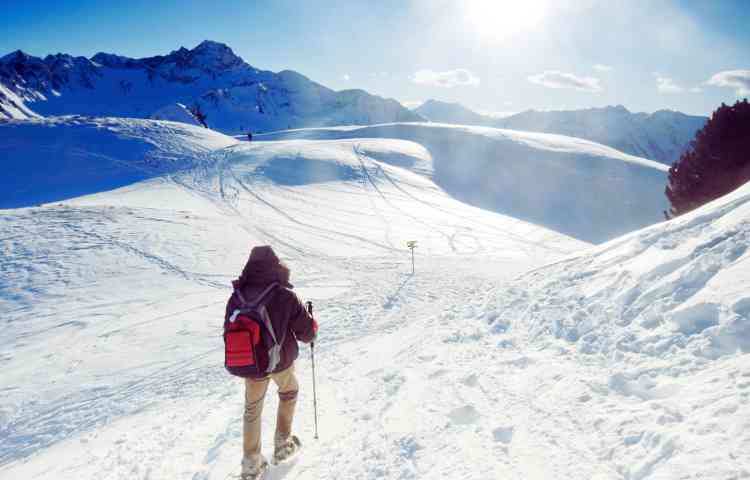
412,244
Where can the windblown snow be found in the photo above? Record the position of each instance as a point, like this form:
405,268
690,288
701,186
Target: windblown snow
581,188
513,351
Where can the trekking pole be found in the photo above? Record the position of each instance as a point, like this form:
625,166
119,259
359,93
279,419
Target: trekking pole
312,356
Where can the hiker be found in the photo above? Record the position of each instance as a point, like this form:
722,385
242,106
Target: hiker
291,322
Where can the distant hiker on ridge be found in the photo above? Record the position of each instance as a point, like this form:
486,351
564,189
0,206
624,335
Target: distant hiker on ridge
263,302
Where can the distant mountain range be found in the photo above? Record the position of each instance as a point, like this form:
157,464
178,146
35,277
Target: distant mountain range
446,112
235,96
661,136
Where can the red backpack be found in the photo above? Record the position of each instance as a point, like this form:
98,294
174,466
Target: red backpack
251,347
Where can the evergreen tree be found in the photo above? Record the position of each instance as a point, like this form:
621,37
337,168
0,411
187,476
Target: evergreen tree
717,162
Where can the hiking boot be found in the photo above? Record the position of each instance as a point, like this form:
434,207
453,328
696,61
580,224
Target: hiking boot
286,449
254,468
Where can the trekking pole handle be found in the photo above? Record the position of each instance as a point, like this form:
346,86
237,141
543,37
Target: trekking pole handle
309,305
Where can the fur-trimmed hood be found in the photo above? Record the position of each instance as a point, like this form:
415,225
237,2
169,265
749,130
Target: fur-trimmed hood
263,268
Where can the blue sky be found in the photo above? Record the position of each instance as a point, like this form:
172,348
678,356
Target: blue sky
491,55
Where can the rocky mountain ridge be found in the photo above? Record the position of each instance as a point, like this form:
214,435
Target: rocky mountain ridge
235,96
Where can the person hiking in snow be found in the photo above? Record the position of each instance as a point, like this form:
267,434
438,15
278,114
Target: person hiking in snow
291,322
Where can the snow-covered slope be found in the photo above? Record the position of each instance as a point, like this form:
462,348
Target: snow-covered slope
574,186
12,106
658,325
662,136
46,160
628,361
236,96
681,287
176,112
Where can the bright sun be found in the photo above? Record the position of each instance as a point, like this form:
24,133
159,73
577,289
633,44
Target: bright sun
498,19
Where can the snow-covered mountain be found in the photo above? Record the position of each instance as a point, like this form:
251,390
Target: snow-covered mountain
512,352
447,112
583,189
661,136
235,96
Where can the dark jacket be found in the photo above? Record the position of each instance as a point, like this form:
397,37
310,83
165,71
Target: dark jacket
285,309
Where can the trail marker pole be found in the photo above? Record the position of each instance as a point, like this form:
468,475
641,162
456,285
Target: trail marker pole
312,357
412,244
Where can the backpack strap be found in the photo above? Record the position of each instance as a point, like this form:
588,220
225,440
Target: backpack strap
259,299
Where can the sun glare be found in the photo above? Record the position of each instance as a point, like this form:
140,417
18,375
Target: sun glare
499,19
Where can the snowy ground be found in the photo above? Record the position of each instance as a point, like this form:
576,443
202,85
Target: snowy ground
627,361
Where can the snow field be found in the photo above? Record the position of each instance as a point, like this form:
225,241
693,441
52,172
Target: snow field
513,352
112,302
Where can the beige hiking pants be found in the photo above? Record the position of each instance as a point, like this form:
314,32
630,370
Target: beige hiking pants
255,392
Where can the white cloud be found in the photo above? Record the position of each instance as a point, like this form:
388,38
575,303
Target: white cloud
603,68
555,79
667,85
346,77
448,79
738,79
